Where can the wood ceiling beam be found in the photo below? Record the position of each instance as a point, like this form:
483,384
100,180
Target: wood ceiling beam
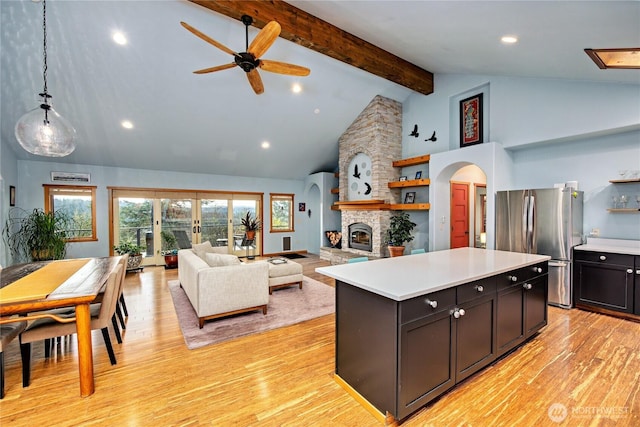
313,33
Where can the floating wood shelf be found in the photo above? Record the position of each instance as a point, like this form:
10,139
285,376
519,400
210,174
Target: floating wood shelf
624,181
410,183
410,207
412,161
624,210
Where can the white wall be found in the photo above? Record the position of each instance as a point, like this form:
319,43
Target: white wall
8,177
32,174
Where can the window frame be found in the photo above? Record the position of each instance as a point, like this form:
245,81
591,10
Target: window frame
279,197
49,193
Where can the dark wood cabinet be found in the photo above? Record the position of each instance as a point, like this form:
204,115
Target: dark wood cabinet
521,305
604,280
400,355
636,305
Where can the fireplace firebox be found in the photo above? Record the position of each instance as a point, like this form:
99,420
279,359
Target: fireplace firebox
360,237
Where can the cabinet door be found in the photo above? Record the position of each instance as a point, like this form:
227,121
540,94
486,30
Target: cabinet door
476,340
636,280
535,304
427,354
605,285
510,318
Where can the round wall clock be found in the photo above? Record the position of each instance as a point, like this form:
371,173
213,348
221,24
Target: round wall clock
359,177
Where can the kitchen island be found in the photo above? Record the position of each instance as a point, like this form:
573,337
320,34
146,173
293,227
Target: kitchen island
409,328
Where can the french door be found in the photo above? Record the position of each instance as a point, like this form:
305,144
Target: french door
163,220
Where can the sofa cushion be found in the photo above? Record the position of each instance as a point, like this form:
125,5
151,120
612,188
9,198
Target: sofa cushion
220,260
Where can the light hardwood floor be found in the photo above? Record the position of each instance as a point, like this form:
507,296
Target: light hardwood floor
588,362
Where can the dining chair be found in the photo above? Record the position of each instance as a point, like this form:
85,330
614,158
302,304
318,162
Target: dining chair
418,251
8,332
48,328
358,259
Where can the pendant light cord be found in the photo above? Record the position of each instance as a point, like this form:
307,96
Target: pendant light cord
45,95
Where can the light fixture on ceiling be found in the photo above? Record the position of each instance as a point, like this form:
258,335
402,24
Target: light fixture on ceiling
296,88
509,39
119,38
265,144
42,131
615,58
126,124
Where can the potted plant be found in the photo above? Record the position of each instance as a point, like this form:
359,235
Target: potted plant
169,249
134,251
36,235
251,225
399,233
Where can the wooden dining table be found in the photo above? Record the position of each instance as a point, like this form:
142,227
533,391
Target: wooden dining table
27,289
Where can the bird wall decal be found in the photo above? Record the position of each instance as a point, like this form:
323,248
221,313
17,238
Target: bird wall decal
414,132
368,191
433,137
356,174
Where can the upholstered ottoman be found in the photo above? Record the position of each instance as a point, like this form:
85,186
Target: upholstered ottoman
283,273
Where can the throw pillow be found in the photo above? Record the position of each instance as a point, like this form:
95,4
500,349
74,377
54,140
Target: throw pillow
221,260
201,248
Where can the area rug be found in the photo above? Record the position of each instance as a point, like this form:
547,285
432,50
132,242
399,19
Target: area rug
287,306
293,255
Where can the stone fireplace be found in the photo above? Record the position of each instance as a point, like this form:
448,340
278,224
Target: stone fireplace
367,150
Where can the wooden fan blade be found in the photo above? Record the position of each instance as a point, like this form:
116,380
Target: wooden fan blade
255,81
264,39
218,68
208,39
284,68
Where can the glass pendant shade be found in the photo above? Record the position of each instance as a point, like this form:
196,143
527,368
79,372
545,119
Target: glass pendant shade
42,131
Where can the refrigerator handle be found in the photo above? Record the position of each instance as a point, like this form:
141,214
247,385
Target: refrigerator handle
525,224
531,225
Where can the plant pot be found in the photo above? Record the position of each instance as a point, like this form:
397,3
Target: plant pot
251,235
171,261
396,251
134,261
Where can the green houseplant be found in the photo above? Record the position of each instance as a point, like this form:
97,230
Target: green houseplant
251,225
134,251
169,249
36,235
399,233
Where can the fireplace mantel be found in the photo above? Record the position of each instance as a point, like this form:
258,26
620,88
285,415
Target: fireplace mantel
363,205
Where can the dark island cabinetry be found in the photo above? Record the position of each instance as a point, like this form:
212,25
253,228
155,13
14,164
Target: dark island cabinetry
605,281
399,355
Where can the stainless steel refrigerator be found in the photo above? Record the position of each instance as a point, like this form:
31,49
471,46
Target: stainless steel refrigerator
546,222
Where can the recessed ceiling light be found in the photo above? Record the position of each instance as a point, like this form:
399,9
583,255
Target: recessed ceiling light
615,58
126,124
119,38
265,144
296,88
316,111
509,39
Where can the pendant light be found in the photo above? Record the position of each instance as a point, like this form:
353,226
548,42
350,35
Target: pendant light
43,131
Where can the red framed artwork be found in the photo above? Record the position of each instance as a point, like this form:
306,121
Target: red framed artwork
471,120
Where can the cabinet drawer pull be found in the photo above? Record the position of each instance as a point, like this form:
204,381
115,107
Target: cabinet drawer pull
637,271
527,286
513,278
629,270
479,288
603,258
433,304
458,312
537,269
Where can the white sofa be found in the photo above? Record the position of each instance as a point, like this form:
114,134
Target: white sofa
229,287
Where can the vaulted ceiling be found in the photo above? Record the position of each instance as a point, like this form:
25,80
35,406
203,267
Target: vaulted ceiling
214,123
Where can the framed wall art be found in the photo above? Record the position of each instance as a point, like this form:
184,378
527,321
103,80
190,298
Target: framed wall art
12,195
419,175
471,120
410,197
302,207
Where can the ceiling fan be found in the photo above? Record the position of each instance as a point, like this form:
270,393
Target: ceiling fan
251,60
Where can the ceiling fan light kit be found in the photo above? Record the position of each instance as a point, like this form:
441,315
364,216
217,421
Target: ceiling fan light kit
250,60
42,131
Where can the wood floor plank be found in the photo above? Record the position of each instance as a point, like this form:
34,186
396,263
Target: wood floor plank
588,362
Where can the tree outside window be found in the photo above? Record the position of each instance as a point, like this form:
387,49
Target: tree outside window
281,212
79,203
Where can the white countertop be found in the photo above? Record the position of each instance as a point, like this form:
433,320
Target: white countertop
409,276
614,246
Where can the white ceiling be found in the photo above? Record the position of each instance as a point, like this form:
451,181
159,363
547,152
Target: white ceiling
214,123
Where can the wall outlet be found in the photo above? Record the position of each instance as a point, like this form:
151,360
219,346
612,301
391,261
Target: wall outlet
595,232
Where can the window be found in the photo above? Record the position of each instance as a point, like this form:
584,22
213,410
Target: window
79,202
281,212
